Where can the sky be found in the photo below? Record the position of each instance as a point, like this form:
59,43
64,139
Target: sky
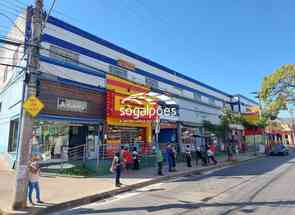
230,44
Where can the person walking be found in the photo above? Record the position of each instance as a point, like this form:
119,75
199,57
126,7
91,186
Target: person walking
127,158
211,153
188,156
199,155
173,158
160,160
117,167
135,158
169,156
34,175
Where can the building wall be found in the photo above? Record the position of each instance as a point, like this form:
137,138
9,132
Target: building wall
100,54
196,113
11,107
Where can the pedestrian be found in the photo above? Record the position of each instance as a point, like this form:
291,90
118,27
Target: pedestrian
117,167
135,158
169,156
127,158
205,152
188,156
229,150
160,159
34,176
211,153
173,158
199,155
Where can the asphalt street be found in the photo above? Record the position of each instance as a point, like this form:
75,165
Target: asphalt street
264,186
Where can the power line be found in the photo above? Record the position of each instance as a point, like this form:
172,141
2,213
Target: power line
49,12
3,47
8,6
18,3
15,4
12,22
10,65
13,13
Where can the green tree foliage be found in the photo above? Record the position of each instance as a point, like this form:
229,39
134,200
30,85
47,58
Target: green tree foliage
222,130
278,89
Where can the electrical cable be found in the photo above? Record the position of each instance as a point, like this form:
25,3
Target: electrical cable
8,6
49,12
3,14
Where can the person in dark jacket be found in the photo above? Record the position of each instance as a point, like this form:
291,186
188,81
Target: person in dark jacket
188,156
169,156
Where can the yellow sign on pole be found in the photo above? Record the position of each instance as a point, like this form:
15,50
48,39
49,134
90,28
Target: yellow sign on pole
33,106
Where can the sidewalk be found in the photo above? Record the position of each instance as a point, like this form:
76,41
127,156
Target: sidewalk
56,190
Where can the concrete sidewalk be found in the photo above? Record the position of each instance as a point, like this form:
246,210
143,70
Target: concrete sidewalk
58,191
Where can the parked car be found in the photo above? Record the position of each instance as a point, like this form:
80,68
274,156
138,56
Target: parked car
279,149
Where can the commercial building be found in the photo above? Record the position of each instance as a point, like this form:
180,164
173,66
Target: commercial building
82,82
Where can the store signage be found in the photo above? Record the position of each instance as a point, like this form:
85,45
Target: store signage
125,64
71,105
140,106
33,106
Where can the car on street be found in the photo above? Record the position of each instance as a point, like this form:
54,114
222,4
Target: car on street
279,149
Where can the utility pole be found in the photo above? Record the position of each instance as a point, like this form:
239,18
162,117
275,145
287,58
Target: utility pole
26,128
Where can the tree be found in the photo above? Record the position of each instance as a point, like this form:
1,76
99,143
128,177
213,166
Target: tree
278,89
223,129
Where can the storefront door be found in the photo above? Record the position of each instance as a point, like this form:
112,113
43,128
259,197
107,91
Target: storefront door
78,135
93,142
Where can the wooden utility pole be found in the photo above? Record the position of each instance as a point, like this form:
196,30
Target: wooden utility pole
26,125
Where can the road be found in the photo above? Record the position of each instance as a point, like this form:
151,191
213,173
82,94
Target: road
264,186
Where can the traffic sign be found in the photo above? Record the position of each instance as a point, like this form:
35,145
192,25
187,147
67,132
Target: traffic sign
33,106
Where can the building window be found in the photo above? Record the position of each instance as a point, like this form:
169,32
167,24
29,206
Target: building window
151,82
118,71
211,101
197,96
5,74
13,131
63,55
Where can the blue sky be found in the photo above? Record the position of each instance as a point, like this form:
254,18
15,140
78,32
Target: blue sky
230,44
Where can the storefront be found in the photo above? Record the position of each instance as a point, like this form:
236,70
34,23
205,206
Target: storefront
70,125
128,124
168,133
190,134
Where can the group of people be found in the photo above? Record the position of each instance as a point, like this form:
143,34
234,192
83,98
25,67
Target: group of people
204,152
124,159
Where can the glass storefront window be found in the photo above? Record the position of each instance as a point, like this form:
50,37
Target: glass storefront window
118,136
51,139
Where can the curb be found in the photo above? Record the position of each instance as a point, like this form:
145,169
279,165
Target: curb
100,196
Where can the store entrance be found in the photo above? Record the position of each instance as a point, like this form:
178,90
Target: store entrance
77,135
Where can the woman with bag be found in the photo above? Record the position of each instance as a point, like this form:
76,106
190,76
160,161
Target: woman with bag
116,167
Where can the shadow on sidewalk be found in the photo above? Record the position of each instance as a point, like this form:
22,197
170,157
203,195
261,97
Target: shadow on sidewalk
187,205
250,168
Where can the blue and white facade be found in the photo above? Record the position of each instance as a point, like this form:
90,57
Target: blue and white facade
74,57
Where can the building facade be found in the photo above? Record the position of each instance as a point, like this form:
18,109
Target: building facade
83,77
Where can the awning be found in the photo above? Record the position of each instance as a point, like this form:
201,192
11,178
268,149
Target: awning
74,120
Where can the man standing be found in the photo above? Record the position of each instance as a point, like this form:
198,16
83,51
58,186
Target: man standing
116,167
160,160
169,155
188,156
34,175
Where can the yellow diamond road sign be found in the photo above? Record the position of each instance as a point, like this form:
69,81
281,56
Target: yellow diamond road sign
33,105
